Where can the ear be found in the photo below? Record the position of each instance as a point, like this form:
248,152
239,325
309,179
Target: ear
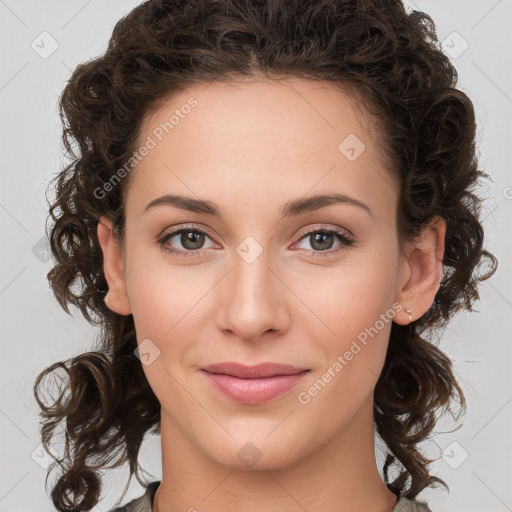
117,296
421,272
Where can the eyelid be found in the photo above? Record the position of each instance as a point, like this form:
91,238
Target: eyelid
344,235
191,227
325,227
174,231
300,234
347,241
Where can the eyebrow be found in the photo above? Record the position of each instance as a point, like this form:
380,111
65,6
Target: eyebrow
290,209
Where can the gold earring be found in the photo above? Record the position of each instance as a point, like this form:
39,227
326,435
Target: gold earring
409,312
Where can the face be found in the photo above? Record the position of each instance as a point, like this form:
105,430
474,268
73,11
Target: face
263,280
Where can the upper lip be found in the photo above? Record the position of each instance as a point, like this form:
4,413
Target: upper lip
253,372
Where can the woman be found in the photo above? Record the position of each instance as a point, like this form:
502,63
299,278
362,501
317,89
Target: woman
270,213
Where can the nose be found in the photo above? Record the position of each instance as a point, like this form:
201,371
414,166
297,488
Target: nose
253,300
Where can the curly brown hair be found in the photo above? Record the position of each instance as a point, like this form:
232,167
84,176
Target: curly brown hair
391,57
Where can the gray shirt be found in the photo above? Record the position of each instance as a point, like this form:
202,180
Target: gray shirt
145,503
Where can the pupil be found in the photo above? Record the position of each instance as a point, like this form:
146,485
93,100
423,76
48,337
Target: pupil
322,246
192,240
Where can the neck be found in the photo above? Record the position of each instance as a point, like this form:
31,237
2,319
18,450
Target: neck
341,475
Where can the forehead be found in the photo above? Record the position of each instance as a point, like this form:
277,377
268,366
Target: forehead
268,104
289,136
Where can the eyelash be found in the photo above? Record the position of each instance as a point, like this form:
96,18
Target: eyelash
345,240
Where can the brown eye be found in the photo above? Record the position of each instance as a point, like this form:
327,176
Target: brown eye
191,241
322,241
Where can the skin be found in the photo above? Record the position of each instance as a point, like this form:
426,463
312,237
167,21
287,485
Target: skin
250,148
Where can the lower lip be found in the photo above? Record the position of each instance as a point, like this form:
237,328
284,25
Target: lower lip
253,391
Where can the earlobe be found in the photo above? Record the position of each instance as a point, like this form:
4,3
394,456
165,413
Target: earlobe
425,267
117,297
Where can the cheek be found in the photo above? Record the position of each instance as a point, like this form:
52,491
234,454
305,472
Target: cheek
353,309
354,352
161,303
166,302
349,298
161,294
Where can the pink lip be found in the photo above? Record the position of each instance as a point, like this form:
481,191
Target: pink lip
243,371
253,384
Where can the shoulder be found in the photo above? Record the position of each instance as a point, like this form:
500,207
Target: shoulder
143,503
407,505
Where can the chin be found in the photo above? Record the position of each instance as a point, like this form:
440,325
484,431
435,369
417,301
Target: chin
256,454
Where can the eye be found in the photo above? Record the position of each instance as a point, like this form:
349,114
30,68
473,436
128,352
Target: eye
191,239
322,240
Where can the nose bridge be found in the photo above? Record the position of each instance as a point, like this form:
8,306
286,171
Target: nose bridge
253,303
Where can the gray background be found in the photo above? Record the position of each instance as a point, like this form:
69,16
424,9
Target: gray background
475,460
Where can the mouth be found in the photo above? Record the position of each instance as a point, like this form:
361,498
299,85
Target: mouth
257,371
253,384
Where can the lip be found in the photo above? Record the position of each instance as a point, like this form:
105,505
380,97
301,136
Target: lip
253,384
256,371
